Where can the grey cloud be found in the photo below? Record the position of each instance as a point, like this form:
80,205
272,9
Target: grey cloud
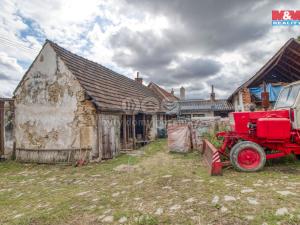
147,50
213,25
198,68
198,28
257,56
188,70
4,77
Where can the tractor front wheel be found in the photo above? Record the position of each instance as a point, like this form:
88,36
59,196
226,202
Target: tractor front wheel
247,156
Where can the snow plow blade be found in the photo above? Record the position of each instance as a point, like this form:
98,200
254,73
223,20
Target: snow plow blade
211,158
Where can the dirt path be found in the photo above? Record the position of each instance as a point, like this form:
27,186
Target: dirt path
156,188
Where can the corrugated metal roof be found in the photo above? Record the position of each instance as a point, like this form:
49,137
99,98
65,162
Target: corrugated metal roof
192,106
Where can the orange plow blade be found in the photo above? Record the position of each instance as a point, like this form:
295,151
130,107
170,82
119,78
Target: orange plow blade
211,158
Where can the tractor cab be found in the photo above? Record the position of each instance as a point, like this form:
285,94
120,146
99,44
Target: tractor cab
289,99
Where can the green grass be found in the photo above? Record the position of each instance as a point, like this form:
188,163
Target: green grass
55,194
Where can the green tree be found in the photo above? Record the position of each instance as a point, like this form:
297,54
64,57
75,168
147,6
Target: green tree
298,38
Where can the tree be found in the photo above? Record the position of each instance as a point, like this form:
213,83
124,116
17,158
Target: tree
298,38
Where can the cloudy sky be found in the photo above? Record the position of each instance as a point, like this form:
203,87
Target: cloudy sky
190,43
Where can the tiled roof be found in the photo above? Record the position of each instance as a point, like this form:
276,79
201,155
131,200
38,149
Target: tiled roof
162,93
108,89
193,106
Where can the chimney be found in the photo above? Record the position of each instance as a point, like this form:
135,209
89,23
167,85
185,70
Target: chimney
182,93
172,91
212,94
138,79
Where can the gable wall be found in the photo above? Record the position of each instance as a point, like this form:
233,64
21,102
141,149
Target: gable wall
50,108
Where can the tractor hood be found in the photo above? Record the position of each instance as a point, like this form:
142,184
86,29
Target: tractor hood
243,119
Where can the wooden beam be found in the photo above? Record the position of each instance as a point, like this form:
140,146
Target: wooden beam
295,76
144,126
261,78
124,132
285,76
291,59
133,131
291,66
293,51
128,127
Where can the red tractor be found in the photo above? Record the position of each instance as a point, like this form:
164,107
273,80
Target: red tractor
262,135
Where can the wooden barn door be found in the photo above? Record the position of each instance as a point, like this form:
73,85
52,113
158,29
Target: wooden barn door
1,128
108,135
106,138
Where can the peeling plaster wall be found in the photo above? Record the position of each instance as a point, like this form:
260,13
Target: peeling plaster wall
50,108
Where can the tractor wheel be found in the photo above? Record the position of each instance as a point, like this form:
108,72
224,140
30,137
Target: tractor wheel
247,156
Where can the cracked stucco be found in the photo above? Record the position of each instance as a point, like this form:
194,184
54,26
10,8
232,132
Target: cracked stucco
50,108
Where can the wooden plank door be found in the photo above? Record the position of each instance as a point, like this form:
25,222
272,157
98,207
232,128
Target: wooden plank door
106,139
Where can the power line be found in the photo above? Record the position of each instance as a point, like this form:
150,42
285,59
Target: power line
13,46
8,43
17,43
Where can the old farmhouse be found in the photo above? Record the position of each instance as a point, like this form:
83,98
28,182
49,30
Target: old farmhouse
69,108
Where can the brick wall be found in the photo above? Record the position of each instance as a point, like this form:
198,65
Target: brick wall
246,98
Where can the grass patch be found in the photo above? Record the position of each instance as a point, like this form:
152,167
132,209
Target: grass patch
175,184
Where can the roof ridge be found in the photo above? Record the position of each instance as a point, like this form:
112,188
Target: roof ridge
96,63
106,87
165,92
65,49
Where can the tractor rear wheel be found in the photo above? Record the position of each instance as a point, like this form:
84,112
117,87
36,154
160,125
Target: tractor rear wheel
247,156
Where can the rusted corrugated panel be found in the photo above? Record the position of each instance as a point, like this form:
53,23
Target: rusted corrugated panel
107,88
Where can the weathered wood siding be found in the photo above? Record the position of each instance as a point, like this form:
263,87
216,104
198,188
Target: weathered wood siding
51,112
109,127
